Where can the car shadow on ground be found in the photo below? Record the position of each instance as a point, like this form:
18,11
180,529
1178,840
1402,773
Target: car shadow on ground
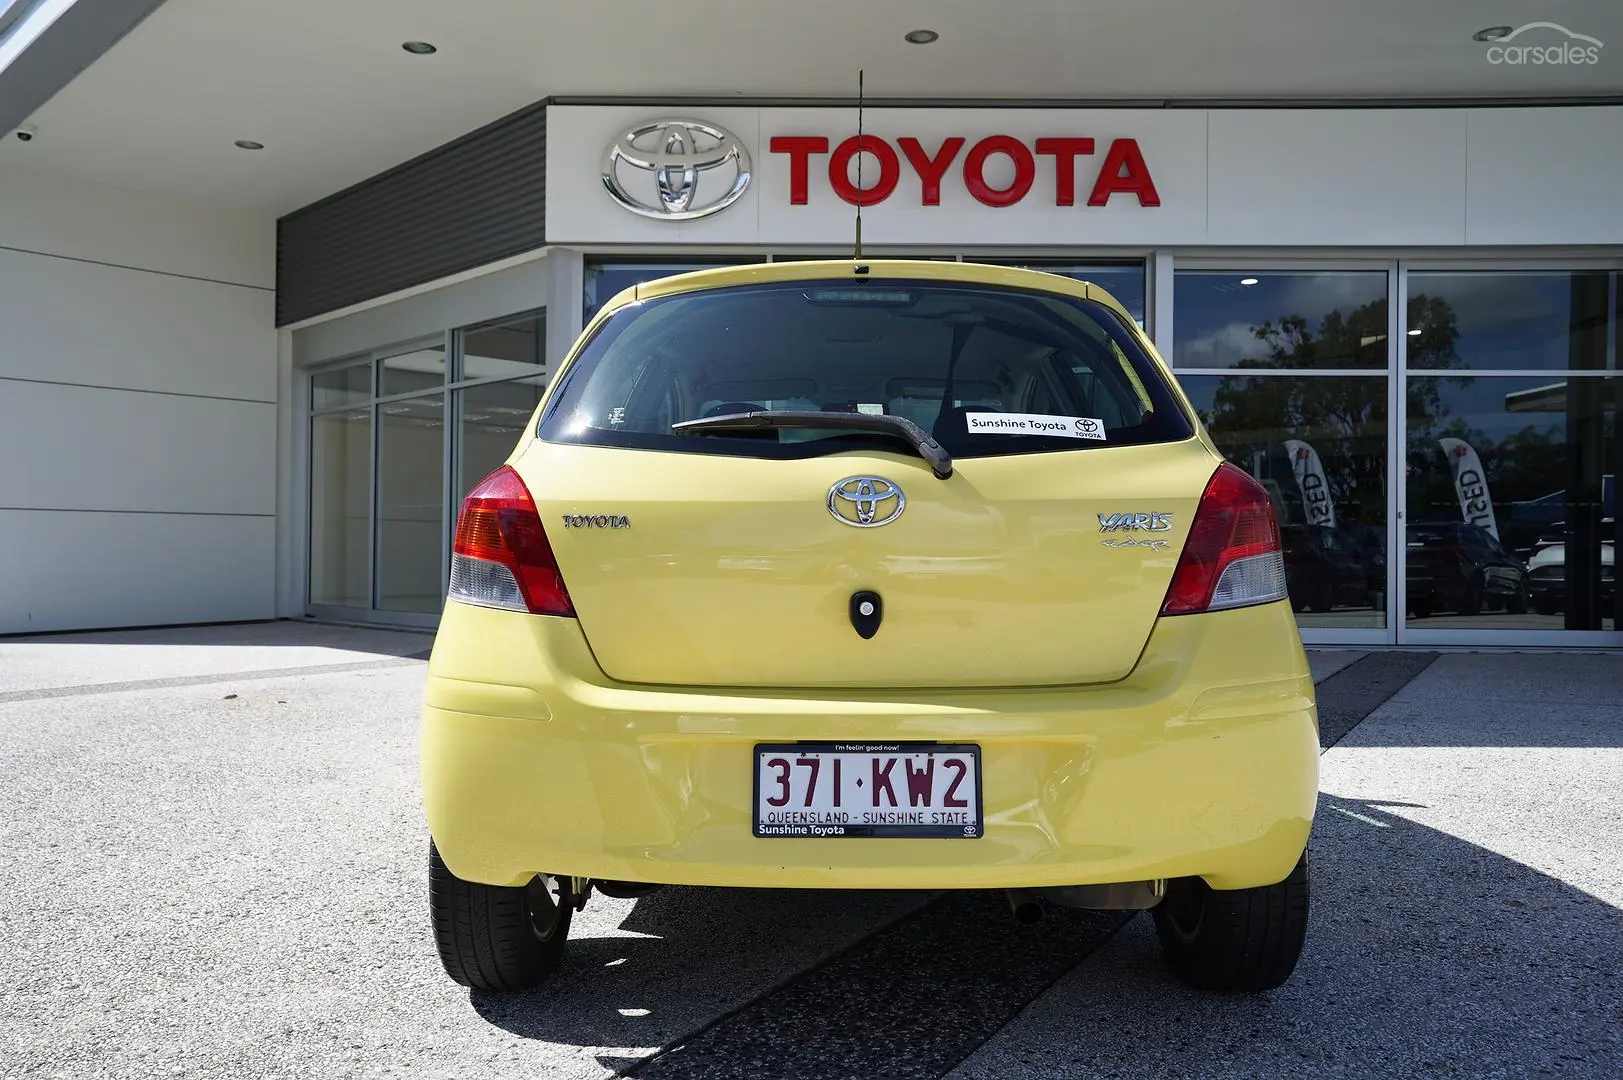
1427,956
681,957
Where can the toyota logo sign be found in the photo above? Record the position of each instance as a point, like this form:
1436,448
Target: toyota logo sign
676,170
866,501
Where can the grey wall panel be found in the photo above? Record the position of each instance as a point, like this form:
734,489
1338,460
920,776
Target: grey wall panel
90,448
90,570
470,202
84,323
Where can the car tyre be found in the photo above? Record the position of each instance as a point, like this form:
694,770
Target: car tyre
497,938
1323,596
1239,940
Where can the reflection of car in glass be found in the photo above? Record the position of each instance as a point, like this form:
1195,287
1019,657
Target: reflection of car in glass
1326,566
1370,541
887,575
1547,577
1458,567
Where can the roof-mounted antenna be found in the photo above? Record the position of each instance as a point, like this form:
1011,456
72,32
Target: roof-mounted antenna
861,151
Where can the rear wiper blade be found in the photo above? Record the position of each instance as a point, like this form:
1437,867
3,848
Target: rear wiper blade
900,427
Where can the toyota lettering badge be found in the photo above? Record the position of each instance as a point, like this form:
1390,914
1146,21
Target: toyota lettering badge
676,170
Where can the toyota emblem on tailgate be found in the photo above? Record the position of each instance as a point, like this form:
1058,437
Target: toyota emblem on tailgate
866,502
678,169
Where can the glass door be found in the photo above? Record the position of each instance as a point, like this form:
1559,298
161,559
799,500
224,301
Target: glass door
377,486
397,437
1511,456
340,541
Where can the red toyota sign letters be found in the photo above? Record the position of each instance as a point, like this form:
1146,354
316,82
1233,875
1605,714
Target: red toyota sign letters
1122,170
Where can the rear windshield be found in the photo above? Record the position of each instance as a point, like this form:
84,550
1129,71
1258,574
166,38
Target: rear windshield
988,371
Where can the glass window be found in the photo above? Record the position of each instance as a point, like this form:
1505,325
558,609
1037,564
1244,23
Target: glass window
1318,444
1281,320
422,368
505,350
1124,281
947,356
411,504
1512,502
1530,321
379,483
341,389
491,419
605,280
341,508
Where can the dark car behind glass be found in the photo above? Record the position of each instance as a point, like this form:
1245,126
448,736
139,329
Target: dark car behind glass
1326,567
1462,568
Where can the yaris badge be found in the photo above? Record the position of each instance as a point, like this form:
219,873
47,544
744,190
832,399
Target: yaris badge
866,502
1151,522
676,170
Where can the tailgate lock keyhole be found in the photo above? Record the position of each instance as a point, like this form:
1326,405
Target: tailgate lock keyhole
866,612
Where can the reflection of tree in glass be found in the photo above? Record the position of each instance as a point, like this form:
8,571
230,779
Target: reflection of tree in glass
1525,464
1431,481
1344,418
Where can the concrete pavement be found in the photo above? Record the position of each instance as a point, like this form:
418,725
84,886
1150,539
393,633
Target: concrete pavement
1467,887
215,867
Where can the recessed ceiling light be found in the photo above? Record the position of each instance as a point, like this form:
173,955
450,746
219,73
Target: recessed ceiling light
1414,333
419,48
248,144
1248,281
921,37
1493,33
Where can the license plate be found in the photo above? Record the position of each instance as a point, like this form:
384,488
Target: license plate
917,790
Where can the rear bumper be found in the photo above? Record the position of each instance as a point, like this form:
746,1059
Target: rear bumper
1203,762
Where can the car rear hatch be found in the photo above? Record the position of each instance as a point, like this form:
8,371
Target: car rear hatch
740,558
734,572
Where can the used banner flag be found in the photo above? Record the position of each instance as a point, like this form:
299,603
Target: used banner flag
1470,484
1310,478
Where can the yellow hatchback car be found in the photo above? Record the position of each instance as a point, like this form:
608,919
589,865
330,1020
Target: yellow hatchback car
869,575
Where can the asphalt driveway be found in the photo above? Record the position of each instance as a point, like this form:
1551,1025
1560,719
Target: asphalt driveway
215,867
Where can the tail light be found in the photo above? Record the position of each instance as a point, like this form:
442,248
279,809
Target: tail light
1232,557
501,557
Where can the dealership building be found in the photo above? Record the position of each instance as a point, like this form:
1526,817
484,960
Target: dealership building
280,283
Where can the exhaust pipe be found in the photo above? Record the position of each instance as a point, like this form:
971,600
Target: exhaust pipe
1026,906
